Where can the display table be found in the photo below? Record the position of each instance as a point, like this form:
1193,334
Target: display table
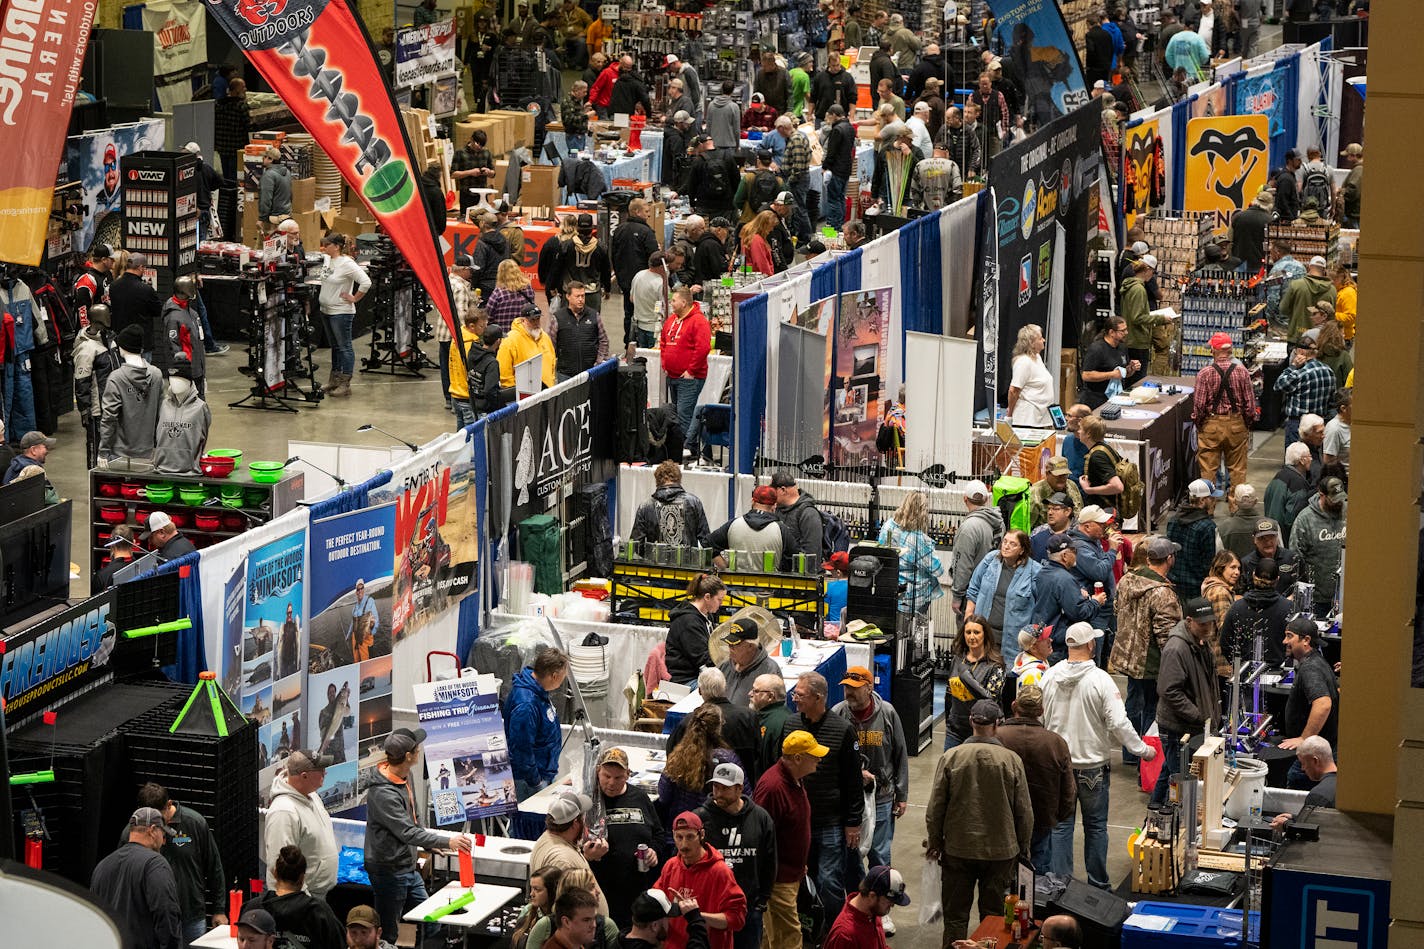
1169,437
648,591
719,370
220,937
489,899
993,927
645,766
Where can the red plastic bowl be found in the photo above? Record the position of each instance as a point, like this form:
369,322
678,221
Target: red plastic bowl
130,490
108,489
141,515
113,513
233,522
207,522
216,466
179,519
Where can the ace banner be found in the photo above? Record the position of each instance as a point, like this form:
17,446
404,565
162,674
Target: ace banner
1043,181
1227,163
317,57
1036,43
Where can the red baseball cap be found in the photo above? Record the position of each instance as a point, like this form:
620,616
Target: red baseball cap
840,560
765,494
1221,341
687,821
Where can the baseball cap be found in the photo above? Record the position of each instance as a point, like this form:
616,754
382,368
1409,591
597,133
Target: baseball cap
985,712
857,676
1080,634
1266,527
681,115
723,222
302,761
569,807
1334,489
1220,341
783,479
1100,84
1058,465
101,252
258,919
765,494
1093,514
403,741
1202,488
464,260
803,743
1139,247
1059,499
1199,609
863,571
1033,633
687,821
1323,307
741,631
1317,261
1291,153
1058,543
670,59
996,63
729,775
1354,150
363,916
1160,548
784,197
31,439
840,560
887,882
1149,260
193,148
614,756
157,521
653,905
758,97
272,153
1244,492
150,817
976,490
1029,699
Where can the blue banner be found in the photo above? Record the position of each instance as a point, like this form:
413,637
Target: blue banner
1039,52
1265,95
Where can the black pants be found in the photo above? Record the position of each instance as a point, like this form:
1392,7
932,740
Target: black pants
627,317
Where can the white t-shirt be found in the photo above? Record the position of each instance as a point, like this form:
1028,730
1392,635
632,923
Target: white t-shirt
1035,385
1337,441
341,275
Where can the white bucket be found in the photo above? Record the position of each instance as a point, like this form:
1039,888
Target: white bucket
1250,789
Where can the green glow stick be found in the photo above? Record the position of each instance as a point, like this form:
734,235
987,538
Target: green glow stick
170,627
446,910
34,777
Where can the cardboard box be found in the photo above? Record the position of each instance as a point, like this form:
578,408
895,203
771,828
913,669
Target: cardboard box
539,186
303,194
1068,377
522,130
311,225
497,131
657,220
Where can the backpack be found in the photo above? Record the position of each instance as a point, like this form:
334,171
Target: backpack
765,187
1129,503
717,189
835,536
1011,498
1316,185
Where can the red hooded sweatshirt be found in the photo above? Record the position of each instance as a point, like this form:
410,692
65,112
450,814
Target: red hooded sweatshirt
602,92
685,344
712,883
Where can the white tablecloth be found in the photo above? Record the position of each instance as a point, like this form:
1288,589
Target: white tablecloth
489,899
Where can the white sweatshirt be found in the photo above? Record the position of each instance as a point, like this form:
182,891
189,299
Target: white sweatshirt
341,275
1081,703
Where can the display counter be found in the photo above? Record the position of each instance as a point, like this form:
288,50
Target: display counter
1168,459
649,591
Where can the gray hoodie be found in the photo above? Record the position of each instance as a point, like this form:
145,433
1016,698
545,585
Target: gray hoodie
276,194
724,121
1317,538
182,433
129,412
300,820
393,831
978,533
882,748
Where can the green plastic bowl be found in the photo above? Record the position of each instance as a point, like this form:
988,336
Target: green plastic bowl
192,494
159,493
234,453
267,472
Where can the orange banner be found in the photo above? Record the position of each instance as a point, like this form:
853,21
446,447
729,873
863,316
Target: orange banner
44,43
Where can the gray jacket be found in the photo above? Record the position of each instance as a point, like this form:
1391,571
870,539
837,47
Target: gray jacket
739,684
978,533
393,831
276,195
182,433
1317,539
804,520
128,419
724,121
882,748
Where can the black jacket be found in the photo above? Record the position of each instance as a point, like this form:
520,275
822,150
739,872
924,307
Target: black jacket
548,264
483,374
747,841
179,546
596,274
1189,696
671,516
930,66
1098,50
1287,196
739,727
131,300
1260,614
709,259
882,66
835,788
576,342
208,181
631,819
136,885
490,251
675,142
828,90
839,156
197,867
303,920
1286,562
687,652
1248,236
704,167
633,243
628,92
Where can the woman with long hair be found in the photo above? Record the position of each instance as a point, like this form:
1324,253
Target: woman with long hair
976,672
683,784
1002,589
512,293
543,884
690,626
343,284
1031,389
907,529
1334,352
1346,300
1219,588
756,245
605,929
301,917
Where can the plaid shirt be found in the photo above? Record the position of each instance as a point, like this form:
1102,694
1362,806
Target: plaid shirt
1309,388
797,158
1240,398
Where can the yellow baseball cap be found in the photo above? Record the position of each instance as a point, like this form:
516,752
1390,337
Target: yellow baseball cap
803,743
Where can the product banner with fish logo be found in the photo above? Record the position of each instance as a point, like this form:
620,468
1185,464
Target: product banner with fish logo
466,753
1141,191
1044,181
1038,49
40,63
433,543
274,647
317,56
1227,164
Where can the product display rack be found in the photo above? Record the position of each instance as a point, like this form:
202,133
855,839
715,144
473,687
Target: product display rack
651,590
1176,242
260,504
161,212
1307,241
1214,304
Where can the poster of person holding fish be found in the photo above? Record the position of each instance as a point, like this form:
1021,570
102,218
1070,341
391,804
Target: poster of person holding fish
274,632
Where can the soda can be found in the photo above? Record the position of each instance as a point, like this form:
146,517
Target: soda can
642,854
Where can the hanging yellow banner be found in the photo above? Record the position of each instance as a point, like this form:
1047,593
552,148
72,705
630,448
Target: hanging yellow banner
1227,163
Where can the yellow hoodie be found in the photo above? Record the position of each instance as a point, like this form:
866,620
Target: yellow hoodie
519,346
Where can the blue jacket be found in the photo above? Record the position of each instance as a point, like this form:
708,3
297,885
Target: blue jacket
1061,601
1095,565
1018,603
532,728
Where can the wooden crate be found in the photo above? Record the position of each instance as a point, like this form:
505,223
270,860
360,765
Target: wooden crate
1157,866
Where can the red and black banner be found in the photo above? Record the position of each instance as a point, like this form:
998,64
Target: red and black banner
316,55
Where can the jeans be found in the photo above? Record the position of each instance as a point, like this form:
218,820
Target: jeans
576,53
1171,764
684,396
833,200
951,740
800,217
526,789
627,316
749,936
194,929
396,891
464,415
884,833
647,339
576,143
958,881
832,864
343,351
1093,803
783,924
1292,430
1141,708
1297,779
692,439
1041,851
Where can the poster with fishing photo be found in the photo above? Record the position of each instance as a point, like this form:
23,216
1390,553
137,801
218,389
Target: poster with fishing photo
858,374
235,641
466,754
434,547
352,560
273,647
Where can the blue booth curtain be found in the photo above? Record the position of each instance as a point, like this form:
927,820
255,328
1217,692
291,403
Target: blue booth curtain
848,271
823,281
468,623
749,407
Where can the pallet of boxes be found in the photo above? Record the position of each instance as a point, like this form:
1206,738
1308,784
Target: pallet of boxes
506,130
296,153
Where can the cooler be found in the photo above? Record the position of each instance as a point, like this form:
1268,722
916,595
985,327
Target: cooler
1183,926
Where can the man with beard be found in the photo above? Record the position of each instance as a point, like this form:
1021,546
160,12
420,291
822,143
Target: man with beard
632,822
651,911
743,831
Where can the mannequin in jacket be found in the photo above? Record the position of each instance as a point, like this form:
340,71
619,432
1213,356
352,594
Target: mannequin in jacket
183,422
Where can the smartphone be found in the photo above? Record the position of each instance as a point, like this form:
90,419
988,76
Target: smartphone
1055,412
